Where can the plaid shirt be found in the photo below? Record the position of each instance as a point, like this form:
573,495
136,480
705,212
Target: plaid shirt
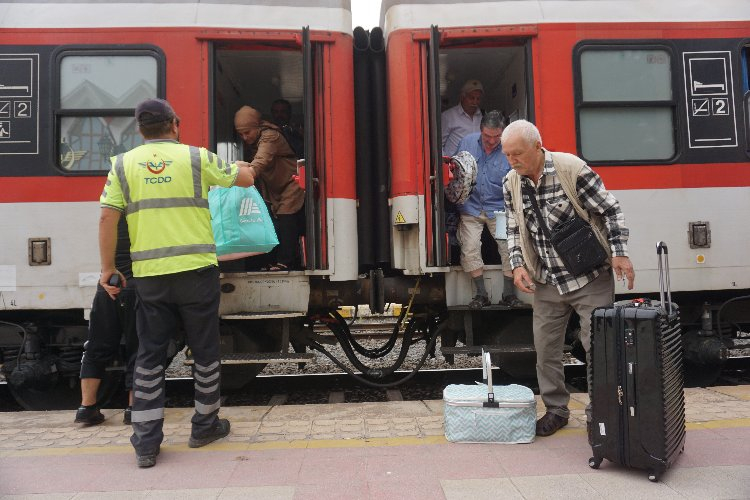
556,208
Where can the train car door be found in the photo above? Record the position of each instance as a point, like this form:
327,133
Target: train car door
501,60
263,71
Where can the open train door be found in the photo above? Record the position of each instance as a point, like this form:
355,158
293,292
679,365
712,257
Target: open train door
437,241
314,240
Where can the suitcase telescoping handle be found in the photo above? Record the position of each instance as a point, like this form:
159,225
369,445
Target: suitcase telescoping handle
663,254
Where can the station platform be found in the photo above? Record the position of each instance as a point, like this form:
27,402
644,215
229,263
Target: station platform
388,450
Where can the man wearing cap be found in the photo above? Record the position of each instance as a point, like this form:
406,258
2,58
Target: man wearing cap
162,189
273,163
463,118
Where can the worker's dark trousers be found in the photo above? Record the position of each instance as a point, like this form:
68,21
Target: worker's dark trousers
190,299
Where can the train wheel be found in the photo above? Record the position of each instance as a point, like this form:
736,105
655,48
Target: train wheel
702,375
64,393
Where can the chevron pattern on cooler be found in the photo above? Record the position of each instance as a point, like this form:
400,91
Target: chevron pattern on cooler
467,421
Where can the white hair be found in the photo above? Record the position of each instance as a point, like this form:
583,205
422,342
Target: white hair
524,129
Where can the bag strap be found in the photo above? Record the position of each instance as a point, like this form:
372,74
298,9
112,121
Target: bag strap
535,206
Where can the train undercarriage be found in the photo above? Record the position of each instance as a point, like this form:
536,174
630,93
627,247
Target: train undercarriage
40,351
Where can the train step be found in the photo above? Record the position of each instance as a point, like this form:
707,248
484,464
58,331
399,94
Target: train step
477,349
491,307
247,358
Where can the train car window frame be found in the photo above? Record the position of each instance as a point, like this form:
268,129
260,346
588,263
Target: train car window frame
662,108
117,121
744,62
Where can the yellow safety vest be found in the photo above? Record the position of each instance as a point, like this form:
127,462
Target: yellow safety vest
162,188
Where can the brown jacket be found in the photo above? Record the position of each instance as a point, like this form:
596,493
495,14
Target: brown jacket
273,163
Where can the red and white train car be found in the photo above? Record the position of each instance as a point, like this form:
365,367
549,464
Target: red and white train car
653,95
71,75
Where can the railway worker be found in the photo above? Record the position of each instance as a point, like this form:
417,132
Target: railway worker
462,119
110,320
162,188
537,267
479,209
273,163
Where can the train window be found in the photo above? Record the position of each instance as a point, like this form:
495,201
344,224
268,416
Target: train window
97,97
626,105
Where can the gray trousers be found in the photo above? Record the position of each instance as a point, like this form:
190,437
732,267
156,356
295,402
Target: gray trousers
551,314
189,300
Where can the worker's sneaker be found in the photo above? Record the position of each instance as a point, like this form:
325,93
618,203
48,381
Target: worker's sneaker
147,460
89,415
218,431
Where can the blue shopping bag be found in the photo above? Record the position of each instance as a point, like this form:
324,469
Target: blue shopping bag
241,223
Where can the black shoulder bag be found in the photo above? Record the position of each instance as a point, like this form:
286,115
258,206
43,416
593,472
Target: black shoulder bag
573,240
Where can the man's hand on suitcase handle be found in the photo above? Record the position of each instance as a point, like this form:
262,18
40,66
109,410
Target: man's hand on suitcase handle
623,267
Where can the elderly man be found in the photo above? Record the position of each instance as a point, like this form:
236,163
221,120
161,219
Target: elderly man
273,163
540,183
479,209
463,118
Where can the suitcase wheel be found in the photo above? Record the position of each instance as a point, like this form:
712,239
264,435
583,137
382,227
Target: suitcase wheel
594,462
653,477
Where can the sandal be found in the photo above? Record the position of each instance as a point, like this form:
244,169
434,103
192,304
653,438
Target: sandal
479,301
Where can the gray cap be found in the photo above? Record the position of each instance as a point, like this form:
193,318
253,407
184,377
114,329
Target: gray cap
153,111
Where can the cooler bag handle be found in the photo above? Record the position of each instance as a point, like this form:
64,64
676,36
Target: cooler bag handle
663,254
487,372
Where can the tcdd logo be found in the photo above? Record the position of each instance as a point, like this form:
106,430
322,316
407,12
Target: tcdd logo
158,180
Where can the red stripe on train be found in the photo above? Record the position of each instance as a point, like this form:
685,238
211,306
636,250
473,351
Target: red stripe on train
59,189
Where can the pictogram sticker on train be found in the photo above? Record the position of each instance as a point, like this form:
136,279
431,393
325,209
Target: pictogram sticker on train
19,83
710,99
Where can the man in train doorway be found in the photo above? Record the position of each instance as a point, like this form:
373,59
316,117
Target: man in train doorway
273,163
538,185
281,115
162,188
456,123
462,119
479,209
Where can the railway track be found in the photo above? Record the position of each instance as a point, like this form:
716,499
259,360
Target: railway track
332,388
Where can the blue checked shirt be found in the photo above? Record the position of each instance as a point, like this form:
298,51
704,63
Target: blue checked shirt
556,208
487,195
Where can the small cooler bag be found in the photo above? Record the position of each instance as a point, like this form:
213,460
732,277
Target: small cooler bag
489,414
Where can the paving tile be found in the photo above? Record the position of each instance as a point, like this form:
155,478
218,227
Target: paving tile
559,487
258,493
480,489
616,482
730,482
183,494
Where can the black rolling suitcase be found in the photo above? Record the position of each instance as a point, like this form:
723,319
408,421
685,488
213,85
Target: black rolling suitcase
638,403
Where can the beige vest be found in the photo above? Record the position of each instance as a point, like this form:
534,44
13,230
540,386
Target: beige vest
567,167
